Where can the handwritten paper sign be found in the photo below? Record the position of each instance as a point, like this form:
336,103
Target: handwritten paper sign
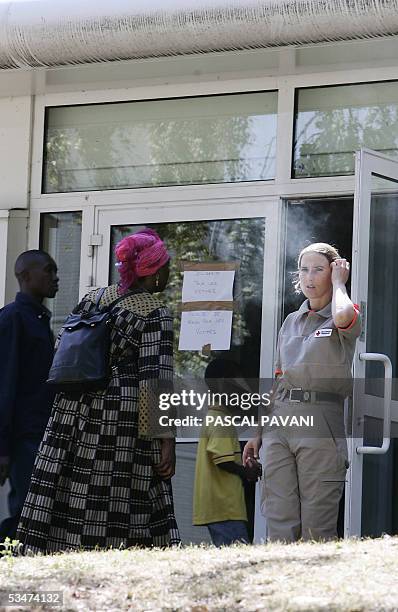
201,327
208,285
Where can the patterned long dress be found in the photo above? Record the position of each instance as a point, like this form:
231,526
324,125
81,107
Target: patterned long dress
93,483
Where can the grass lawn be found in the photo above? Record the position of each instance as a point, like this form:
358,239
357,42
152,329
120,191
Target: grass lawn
346,575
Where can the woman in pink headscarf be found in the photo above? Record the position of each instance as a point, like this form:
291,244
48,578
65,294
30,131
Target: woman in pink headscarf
102,477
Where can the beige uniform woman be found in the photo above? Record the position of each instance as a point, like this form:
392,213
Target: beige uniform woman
305,467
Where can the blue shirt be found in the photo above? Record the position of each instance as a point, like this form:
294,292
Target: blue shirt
26,354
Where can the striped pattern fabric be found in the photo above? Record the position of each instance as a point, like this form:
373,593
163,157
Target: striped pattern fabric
93,484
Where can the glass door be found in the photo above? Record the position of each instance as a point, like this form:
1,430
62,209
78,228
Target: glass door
372,491
245,232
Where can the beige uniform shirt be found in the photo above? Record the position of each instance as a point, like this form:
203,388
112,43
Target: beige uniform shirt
313,354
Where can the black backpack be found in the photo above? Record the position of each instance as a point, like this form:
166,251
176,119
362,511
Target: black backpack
81,361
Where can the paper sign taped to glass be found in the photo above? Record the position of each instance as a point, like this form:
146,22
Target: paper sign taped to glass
202,285
207,306
205,327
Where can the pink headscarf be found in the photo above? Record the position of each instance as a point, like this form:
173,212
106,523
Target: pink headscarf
140,254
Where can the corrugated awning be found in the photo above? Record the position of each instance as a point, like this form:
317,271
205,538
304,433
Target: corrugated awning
67,32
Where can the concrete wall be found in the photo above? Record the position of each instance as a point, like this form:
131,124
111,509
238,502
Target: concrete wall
15,141
13,240
15,147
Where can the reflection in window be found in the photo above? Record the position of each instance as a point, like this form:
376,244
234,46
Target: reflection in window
382,321
61,238
209,139
237,240
379,483
333,122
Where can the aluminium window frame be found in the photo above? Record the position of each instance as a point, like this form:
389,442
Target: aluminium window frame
149,100
283,186
296,111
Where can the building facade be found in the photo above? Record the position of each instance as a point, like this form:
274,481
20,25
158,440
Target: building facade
236,155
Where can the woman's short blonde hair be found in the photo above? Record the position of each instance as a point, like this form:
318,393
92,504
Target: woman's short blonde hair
329,251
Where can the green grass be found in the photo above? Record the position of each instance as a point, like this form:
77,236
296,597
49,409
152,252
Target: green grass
347,575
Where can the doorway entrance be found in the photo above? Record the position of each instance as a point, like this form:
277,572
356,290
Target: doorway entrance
315,220
246,232
364,231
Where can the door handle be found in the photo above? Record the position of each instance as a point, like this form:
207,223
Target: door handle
381,450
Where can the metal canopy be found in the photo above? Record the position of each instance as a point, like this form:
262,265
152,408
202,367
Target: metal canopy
67,32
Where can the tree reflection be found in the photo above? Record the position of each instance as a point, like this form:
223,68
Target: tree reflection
326,140
92,147
240,240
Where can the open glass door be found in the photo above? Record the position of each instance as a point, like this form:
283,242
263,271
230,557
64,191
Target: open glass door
372,488
245,232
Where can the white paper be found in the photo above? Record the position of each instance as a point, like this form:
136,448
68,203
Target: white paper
208,285
201,327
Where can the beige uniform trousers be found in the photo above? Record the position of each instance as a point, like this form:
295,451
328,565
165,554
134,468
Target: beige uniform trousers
304,473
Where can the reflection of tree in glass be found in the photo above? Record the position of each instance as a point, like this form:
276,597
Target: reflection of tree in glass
326,140
99,149
70,160
56,154
61,238
239,240
227,240
200,150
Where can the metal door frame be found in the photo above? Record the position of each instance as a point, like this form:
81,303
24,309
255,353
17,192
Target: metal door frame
226,208
367,164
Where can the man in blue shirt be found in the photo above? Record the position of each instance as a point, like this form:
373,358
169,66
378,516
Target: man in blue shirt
26,353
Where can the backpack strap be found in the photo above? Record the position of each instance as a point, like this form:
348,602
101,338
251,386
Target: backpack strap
99,296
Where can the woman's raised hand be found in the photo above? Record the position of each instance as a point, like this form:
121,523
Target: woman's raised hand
340,271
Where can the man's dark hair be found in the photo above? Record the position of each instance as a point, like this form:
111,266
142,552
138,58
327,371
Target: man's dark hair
29,259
